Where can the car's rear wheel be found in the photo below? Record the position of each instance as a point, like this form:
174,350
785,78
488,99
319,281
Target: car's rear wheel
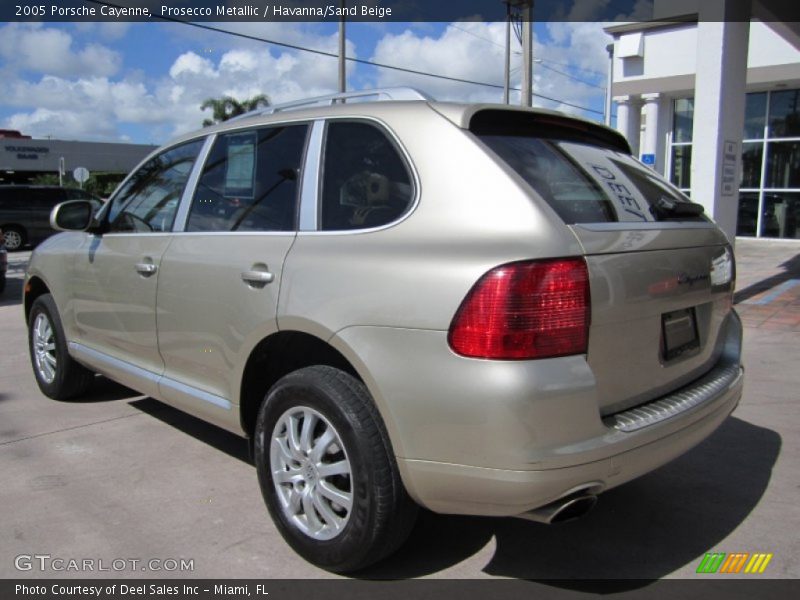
57,374
14,238
327,472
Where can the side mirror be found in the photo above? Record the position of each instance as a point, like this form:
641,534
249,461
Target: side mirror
73,215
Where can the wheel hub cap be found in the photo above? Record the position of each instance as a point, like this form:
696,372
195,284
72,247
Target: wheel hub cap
311,473
44,348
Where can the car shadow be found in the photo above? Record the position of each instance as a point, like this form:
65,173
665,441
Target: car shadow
225,441
791,270
637,533
104,390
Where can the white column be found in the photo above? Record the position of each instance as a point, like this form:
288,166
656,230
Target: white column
723,34
623,120
629,120
651,126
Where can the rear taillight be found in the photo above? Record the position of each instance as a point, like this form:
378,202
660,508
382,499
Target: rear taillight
525,310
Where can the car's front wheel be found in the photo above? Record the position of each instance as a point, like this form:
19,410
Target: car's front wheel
58,375
327,472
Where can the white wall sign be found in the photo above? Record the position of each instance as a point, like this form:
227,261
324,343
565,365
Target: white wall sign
729,171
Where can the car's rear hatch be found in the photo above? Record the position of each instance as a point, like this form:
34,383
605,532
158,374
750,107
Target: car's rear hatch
661,274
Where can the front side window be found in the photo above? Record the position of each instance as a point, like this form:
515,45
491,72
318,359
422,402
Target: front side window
250,181
148,201
366,182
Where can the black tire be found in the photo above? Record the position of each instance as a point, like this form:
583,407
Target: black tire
381,514
2,283
68,378
15,238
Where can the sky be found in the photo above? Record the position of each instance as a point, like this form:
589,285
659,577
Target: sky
144,82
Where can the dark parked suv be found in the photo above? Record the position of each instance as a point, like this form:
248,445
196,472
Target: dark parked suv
25,211
3,263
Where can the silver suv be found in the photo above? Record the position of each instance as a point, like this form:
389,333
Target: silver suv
477,309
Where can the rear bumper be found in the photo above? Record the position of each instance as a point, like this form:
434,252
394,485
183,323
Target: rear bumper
502,438
461,489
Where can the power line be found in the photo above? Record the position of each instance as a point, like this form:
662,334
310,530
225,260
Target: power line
569,66
578,79
543,60
355,60
475,35
383,65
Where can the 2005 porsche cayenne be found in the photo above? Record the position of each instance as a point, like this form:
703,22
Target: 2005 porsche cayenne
477,309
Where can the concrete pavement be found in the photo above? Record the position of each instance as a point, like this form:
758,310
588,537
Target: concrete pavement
117,476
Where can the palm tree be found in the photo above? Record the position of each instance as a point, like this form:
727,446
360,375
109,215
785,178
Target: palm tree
228,107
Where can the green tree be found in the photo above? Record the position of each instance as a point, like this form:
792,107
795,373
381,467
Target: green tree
228,107
99,184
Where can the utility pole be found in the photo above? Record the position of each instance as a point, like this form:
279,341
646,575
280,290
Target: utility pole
607,109
342,58
521,10
507,69
527,54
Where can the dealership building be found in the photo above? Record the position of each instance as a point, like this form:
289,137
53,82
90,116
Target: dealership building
711,99
23,158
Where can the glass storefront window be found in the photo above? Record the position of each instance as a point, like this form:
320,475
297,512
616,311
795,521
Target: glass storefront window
784,114
748,214
681,166
769,197
781,215
755,114
684,116
783,165
751,164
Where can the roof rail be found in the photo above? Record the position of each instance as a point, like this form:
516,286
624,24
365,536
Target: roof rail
376,95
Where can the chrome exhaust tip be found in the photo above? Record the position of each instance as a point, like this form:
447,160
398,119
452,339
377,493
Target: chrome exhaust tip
562,510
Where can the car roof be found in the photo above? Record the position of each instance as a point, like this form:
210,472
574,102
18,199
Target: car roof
459,113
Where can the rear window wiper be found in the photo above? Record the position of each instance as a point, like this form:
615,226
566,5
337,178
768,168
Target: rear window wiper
669,208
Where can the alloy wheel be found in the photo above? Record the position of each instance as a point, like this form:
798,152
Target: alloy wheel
311,473
44,348
13,239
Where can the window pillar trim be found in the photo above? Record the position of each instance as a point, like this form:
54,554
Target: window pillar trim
310,186
191,185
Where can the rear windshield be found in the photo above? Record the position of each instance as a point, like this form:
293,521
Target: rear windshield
586,183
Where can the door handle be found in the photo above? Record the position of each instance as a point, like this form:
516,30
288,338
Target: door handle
146,268
257,278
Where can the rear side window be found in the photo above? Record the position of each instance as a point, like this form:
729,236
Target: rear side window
586,183
250,181
366,183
